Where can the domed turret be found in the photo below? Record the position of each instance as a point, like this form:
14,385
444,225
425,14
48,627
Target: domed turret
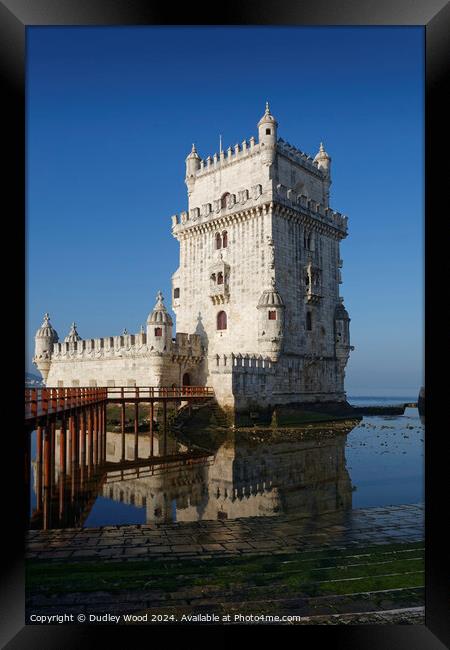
192,166
342,332
267,135
159,326
73,335
44,339
323,160
270,322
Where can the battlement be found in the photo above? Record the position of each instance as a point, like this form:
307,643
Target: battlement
187,345
209,211
299,157
291,198
229,156
244,362
109,345
252,196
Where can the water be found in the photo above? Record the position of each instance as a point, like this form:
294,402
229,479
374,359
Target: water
378,462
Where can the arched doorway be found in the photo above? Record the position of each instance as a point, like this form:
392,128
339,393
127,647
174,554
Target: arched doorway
186,379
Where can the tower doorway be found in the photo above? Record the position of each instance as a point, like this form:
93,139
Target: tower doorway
186,379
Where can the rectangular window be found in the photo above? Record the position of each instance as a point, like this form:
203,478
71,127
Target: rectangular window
308,321
176,293
272,315
158,331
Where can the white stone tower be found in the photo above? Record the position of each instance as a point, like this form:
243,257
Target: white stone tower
260,269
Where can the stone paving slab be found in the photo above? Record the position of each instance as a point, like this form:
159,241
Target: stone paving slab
391,524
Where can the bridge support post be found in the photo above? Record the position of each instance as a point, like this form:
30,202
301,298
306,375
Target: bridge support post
100,433
152,408
122,423
136,430
47,462
52,427
90,440
83,445
62,467
39,468
105,432
165,426
73,454
95,414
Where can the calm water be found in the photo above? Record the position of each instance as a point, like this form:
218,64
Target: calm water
379,462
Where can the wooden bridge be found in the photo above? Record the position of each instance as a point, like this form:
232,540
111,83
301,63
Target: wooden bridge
80,414
44,402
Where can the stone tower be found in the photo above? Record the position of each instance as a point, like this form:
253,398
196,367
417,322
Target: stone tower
260,269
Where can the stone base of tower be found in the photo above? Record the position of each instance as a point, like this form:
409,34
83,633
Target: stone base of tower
253,390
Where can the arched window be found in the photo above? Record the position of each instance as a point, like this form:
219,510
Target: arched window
308,321
218,241
224,239
220,278
213,277
223,200
272,314
158,331
221,320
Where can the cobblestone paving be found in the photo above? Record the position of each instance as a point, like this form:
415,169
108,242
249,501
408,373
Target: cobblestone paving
208,539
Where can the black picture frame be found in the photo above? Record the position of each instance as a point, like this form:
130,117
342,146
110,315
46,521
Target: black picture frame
15,17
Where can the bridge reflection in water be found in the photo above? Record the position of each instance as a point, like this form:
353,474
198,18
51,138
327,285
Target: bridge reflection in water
176,481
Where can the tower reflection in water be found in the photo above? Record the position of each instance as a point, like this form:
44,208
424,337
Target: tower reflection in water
240,478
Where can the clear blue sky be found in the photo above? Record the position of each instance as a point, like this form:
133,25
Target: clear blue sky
112,113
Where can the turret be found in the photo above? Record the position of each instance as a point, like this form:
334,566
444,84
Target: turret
73,335
267,136
44,339
323,162
159,327
270,322
192,166
342,333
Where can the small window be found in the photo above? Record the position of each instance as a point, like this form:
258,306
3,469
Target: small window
272,315
218,241
308,321
221,320
158,331
224,239
267,131
220,278
176,293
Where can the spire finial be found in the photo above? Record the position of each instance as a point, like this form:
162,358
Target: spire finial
159,297
321,147
267,107
220,143
46,317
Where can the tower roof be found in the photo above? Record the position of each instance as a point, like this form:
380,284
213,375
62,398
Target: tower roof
73,335
193,153
267,118
159,315
340,312
270,297
46,331
322,154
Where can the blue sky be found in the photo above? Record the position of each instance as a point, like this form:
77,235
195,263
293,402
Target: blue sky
112,113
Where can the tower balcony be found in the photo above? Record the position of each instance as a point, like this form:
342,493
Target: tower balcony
219,293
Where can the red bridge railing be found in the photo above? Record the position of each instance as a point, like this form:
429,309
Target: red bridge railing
151,392
48,401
